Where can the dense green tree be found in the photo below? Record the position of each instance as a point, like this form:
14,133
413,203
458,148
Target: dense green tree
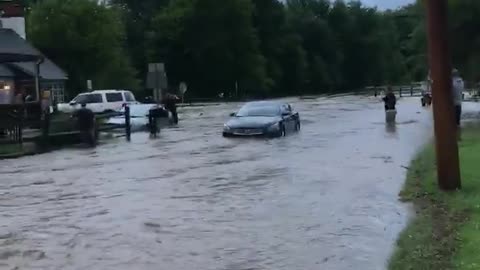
464,24
168,42
137,16
348,45
309,18
217,41
248,47
464,36
281,46
410,24
84,38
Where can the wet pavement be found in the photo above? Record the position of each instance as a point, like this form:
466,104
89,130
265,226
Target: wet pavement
325,198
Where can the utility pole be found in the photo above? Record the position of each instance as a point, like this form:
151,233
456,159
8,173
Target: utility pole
448,168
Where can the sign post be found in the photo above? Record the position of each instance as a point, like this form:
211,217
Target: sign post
89,85
157,80
448,167
37,81
183,89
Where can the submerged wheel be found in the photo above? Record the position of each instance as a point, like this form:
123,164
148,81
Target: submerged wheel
282,132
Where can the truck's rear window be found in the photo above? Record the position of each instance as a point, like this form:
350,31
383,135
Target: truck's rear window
88,98
114,97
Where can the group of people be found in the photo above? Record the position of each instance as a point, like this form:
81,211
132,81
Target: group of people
458,86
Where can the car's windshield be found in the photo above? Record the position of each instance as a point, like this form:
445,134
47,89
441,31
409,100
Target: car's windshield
265,110
129,97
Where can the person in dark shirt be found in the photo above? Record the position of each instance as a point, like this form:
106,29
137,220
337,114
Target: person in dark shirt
86,123
390,100
170,104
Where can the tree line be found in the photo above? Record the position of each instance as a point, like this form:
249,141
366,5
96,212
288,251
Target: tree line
258,48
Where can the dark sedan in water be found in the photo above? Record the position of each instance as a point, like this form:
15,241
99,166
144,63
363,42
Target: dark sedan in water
263,118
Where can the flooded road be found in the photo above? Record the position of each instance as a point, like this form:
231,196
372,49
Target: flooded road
325,198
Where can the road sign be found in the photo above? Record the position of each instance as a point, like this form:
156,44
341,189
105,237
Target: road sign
156,77
156,67
157,80
183,88
89,85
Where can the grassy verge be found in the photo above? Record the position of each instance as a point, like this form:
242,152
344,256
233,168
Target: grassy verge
445,234
62,122
7,149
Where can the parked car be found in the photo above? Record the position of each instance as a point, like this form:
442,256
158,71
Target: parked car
100,101
139,117
263,118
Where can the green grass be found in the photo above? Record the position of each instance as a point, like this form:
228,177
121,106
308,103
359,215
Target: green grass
7,149
445,233
61,122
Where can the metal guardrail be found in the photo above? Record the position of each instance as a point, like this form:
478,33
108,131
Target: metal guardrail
402,90
416,90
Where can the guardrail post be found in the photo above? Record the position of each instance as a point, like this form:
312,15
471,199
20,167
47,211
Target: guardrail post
127,122
46,126
411,90
152,123
96,130
21,114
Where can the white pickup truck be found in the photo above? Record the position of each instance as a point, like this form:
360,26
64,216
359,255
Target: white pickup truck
100,101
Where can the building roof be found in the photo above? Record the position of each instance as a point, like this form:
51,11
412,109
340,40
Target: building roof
5,71
48,70
14,48
18,53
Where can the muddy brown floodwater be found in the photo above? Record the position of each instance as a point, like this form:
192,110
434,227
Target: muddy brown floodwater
325,198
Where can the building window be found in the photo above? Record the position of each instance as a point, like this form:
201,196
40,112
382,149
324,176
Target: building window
6,93
57,91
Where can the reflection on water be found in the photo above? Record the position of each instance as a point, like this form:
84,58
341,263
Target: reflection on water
325,198
391,127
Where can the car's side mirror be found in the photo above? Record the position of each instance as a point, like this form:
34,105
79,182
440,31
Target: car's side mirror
233,114
73,103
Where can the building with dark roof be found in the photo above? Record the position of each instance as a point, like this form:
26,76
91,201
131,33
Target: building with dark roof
19,60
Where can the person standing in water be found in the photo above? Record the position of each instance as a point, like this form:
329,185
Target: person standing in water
170,104
457,87
390,99
86,124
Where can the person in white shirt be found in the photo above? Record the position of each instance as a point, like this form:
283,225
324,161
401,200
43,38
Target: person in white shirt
457,87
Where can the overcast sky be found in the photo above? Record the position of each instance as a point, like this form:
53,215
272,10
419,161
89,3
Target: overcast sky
384,4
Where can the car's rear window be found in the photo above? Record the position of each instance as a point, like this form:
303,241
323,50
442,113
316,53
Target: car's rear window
88,98
114,97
